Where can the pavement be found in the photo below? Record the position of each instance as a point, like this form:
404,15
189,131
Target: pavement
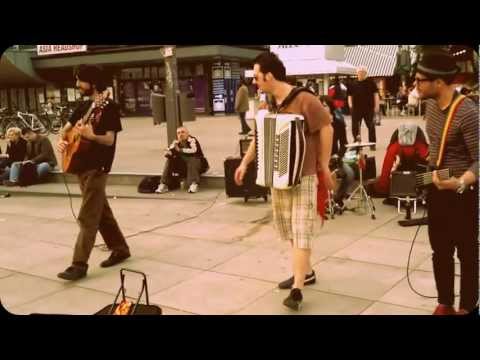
205,253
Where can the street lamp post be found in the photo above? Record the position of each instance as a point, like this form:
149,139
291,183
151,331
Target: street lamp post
171,90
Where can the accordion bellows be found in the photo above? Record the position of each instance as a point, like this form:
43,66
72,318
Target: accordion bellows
280,149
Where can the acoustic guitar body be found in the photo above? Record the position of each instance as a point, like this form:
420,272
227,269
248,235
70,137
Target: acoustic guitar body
77,145
72,158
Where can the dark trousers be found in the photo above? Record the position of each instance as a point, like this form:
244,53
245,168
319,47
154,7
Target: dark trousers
96,215
191,165
243,122
357,117
453,224
339,138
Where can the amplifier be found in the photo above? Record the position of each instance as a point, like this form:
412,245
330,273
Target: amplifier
403,184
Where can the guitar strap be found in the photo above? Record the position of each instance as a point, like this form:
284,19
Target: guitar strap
448,123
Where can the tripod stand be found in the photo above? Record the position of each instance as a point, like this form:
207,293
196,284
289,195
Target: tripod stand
360,193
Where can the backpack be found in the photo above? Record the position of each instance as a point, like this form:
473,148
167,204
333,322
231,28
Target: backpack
28,174
149,184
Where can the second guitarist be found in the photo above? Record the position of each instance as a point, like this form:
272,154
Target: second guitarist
452,127
95,213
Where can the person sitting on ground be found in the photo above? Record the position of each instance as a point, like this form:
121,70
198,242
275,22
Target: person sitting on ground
407,151
39,152
16,151
184,156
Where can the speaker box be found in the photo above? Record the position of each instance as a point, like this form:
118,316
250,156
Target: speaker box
403,184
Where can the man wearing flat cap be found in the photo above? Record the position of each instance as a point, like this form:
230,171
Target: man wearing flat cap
452,128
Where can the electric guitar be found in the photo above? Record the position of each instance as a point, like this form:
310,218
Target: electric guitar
76,143
425,179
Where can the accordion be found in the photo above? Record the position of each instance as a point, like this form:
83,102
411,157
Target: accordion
280,149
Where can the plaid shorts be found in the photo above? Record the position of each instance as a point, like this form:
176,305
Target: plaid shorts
295,213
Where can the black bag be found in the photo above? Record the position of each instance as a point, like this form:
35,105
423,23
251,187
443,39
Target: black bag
249,189
149,184
205,165
28,174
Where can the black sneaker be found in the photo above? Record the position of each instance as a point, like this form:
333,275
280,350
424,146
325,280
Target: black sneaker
73,273
294,300
115,258
287,284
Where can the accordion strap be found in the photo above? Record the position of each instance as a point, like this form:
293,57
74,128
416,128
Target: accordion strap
290,97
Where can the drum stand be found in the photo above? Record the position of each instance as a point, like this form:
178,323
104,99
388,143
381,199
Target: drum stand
362,192
332,207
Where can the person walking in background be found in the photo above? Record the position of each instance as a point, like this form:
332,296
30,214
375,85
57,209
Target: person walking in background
241,106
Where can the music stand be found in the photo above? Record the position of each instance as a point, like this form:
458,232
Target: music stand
360,189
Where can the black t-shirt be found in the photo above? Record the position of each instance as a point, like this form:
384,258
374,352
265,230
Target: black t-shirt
99,156
362,95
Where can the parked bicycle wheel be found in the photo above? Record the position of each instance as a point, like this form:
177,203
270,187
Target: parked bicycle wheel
41,124
12,122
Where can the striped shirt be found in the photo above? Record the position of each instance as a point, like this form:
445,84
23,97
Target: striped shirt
461,148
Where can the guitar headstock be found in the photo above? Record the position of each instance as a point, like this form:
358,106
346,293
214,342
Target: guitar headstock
101,100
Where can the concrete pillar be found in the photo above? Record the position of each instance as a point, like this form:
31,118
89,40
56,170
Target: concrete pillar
171,90
326,83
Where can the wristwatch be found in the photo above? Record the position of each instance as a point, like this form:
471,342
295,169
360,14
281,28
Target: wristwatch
461,187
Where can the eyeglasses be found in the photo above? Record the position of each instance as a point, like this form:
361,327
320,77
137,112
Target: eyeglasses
418,80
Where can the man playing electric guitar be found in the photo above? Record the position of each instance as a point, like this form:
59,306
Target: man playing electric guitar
452,127
92,169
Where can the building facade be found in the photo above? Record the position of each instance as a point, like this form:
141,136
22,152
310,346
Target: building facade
31,76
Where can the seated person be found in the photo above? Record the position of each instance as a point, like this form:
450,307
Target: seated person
408,150
39,152
345,176
16,151
184,156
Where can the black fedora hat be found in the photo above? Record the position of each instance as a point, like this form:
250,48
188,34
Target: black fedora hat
437,64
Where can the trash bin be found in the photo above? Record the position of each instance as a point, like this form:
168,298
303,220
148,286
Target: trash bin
158,108
185,107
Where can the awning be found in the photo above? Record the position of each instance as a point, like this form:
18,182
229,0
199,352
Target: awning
16,68
318,67
380,60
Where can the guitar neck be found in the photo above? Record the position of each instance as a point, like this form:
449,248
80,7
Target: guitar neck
86,117
427,178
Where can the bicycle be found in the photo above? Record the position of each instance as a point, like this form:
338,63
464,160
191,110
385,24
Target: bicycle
28,120
62,115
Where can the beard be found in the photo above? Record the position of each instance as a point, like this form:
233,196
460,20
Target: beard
86,92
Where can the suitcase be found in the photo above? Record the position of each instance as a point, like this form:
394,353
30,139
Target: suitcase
249,189
136,308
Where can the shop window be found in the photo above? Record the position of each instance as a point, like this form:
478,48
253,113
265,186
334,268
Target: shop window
32,100
146,73
131,73
3,98
13,99
40,96
154,73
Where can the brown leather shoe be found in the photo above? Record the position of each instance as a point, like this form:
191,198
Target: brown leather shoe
115,258
444,310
